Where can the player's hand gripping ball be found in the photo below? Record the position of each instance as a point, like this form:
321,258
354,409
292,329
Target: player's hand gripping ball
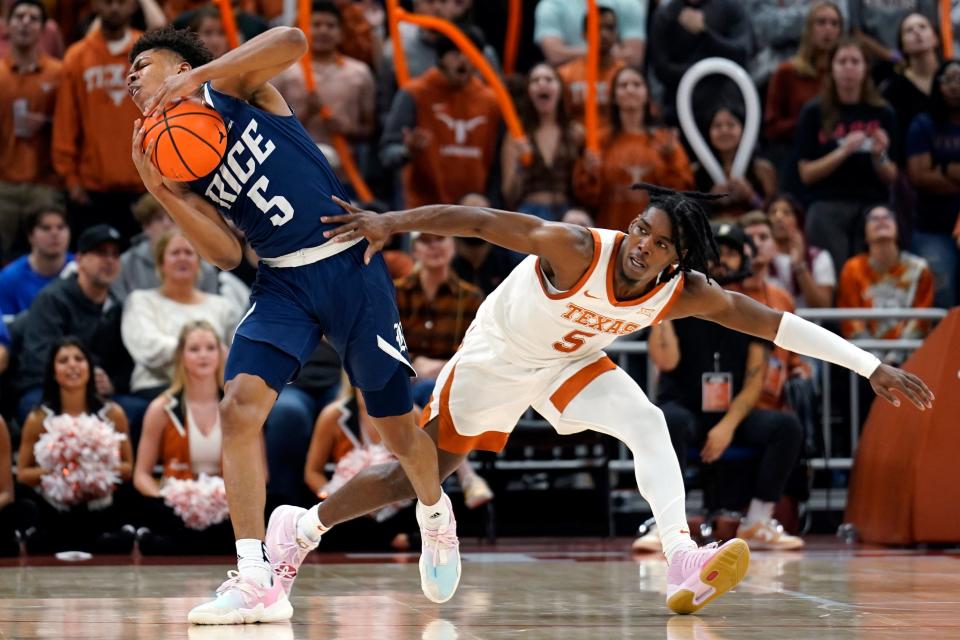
191,140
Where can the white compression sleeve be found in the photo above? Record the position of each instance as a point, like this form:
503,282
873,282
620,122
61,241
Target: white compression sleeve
808,339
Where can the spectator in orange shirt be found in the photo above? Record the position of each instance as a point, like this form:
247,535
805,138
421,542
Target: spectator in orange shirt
50,39
344,85
885,278
28,85
93,124
443,126
635,150
574,73
554,143
747,193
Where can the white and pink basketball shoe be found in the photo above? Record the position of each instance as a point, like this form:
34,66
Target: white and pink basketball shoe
240,601
698,576
285,547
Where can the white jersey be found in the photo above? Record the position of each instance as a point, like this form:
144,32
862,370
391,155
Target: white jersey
527,320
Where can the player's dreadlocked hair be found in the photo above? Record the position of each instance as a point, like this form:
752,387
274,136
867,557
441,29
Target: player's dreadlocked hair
692,235
182,42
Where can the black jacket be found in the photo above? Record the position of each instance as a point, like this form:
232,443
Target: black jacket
62,309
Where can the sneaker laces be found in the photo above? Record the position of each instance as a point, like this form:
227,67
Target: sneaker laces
441,540
234,581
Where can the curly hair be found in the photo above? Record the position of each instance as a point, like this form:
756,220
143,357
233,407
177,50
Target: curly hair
182,42
692,235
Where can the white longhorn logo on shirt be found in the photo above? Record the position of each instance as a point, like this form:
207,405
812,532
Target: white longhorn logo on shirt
460,128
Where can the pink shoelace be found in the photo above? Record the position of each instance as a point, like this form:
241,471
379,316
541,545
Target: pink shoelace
441,540
234,581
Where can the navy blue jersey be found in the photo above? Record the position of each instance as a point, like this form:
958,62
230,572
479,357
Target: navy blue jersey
273,182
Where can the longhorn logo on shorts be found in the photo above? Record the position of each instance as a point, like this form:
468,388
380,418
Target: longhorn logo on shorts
401,342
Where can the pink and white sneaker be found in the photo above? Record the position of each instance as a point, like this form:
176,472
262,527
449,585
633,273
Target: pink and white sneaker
285,547
440,559
698,576
240,601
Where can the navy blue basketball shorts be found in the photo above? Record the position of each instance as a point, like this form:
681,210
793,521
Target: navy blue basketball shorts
352,304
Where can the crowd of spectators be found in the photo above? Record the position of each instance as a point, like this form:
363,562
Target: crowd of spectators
851,199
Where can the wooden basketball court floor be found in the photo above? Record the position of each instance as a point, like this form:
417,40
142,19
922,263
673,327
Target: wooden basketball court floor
533,589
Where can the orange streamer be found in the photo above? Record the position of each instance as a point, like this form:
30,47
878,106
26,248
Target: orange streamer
479,62
339,143
946,29
229,22
514,21
303,21
593,69
399,59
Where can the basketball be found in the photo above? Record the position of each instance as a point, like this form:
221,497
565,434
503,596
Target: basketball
191,140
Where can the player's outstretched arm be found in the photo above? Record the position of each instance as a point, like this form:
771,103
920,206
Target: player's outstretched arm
200,222
736,311
567,249
240,72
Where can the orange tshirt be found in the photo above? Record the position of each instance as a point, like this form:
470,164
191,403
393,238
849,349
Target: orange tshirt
652,156
464,124
27,159
574,76
93,120
908,285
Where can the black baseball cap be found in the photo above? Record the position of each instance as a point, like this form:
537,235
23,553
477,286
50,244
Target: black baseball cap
98,235
731,235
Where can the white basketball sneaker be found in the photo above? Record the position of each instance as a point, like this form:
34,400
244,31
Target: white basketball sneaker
240,601
440,559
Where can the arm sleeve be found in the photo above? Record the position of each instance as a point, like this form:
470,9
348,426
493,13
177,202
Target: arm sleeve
144,338
403,115
65,148
801,336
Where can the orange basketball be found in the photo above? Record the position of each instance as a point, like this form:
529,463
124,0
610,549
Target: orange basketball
191,140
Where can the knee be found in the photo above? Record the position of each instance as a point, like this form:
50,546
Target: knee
399,439
239,417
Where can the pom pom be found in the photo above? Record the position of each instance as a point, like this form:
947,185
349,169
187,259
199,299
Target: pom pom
200,503
81,458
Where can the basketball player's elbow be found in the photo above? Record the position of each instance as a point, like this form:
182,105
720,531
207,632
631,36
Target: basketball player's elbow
293,39
226,258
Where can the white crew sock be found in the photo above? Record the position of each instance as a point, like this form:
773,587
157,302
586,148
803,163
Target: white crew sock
433,516
309,526
252,561
758,511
